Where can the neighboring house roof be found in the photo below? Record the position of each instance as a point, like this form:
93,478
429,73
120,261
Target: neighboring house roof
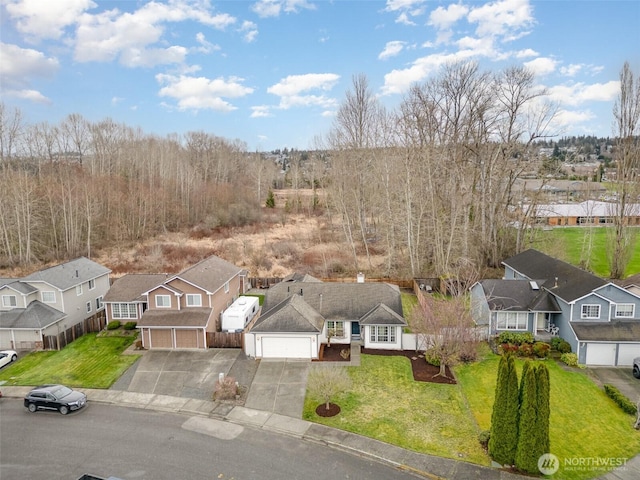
4,281
300,277
517,295
291,315
337,301
382,315
616,331
588,208
131,287
20,287
36,316
69,274
562,279
630,281
210,274
189,317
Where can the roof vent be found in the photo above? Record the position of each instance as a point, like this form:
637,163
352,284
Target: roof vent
534,285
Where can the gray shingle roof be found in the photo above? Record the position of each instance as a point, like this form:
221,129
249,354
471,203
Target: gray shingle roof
291,315
70,274
517,295
617,331
572,282
382,315
20,287
129,288
210,274
189,317
37,315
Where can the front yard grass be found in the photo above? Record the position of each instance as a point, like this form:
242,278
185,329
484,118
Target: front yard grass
584,424
385,403
88,362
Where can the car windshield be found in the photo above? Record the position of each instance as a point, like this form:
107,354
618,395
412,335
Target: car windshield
61,392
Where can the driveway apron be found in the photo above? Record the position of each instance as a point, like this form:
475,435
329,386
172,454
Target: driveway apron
279,386
620,377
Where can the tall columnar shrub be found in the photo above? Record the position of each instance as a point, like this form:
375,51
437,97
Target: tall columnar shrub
504,418
544,409
525,367
529,442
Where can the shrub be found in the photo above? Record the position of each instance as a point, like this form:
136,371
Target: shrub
432,358
623,402
508,348
555,341
483,438
516,338
559,344
525,350
227,389
570,359
129,325
113,325
541,349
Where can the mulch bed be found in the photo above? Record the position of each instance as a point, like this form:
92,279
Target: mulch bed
422,371
322,411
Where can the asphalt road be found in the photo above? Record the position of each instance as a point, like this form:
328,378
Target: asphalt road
133,444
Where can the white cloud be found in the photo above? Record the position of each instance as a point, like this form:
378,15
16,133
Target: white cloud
261,111
573,69
291,90
527,52
273,8
391,49
406,9
504,18
250,31
541,65
579,93
201,93
205,45
444,18
40,20
19,65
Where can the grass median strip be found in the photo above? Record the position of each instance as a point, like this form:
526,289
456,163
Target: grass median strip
88,362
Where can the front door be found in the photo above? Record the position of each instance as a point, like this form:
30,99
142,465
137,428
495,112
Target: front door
542,321
355,330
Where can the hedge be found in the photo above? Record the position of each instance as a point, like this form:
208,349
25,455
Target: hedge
623,402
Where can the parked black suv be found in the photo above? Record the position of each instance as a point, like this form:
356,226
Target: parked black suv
636,367
54,397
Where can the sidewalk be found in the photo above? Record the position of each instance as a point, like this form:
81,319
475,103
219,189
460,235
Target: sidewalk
429,466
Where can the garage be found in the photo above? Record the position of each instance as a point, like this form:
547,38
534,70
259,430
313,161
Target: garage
187,339
161,338
627,352
286,347
601,354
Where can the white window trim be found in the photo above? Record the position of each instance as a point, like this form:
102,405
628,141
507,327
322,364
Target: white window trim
585,316
337,326
509,322
194,296
78,290
99,303
632,313
376,334
6,301
92,284
124,311
52,292
163,296
226,287
89,307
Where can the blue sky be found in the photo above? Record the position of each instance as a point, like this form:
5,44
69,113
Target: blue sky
272,73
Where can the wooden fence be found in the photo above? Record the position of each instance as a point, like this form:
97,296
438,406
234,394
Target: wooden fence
93,324
225,340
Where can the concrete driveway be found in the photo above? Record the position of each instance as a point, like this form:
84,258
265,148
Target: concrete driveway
620,377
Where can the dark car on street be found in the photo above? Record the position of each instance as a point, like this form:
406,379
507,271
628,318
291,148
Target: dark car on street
636,367
54,397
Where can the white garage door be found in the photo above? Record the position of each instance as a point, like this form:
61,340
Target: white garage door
627,352
286,347
601,353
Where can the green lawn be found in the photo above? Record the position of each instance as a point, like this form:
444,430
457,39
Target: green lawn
584,424
88,362
385,403
569,243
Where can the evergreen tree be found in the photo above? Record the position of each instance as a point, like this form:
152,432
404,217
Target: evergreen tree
271,200
527,451
504,418
525,367
544,409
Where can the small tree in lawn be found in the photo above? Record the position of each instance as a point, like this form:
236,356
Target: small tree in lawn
324,383
271,200
504,418
544,408
446,327
529,445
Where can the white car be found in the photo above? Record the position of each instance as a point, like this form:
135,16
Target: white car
7,356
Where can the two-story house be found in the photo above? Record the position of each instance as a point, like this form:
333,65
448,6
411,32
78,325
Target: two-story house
35,310
600,320
184,307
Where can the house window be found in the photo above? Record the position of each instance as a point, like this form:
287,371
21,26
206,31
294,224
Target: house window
590,311
511,320
194,300
163,301
336,328
123,310
88,307
79,290
92,284
383,334
226,287
9,301
625,310
49,297
99,303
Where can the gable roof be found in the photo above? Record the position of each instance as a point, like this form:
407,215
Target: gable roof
69,274
382,315
37,315
617,331
561,279
20,287
337,301
131,287
209,274
291,315
517,295
300,277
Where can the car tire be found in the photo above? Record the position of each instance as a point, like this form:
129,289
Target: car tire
636,371
64,409
14,358
32,407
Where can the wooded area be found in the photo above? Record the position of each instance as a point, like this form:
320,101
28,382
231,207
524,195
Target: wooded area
430,184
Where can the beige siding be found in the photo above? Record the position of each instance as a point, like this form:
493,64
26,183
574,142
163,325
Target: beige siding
162,291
